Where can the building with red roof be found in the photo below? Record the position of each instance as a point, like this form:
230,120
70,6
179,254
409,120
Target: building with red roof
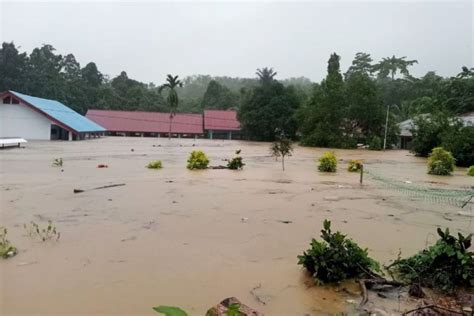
221,124
215,123
137,123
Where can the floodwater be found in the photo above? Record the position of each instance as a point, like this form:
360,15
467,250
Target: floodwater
193,238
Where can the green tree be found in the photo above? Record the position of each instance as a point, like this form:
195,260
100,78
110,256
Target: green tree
13,68
323,116
362,64
172,83
266,75
267,107
218,96
392,65
458,93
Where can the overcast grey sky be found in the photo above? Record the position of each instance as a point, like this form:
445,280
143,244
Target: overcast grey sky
150,39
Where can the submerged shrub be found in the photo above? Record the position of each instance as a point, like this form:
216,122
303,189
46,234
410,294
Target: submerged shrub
336,258
470,171
58,162
7,250
197,160
354,165
47,233
375,143
328,162
440,162
155,164
235,163
446,265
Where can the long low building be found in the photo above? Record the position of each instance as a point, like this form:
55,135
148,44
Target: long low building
154,124
34,118
221,124
213,123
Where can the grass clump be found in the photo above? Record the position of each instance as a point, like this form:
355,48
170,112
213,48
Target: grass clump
197,160
7,250
328,162
155,164
470,171
336,258
446,265
49,232
440,162
354,165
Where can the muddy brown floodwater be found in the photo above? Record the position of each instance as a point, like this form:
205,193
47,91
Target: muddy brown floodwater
193,238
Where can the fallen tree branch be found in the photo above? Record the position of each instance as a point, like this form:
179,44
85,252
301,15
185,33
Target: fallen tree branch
99,188
257,298
434,308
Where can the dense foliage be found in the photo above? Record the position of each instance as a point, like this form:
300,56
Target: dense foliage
445,265
327,162
236,163
336,258
155,164
470,171
197,160
440,162
354,165
267,107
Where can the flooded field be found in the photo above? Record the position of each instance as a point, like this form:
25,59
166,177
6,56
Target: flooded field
193,238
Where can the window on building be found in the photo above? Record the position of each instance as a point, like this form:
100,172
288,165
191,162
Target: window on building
15,101
7,100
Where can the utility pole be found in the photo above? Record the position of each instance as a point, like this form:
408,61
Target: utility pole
386,129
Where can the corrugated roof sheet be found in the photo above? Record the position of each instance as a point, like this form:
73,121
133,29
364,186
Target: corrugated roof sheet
60,113
147,122
221,120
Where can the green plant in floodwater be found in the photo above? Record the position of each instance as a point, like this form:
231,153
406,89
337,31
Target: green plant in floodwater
470,171
155,164
236,163
328,162
7,250
281,147
42,233
232,310
58,162
445,265
440,162
354,165
197,160
336,258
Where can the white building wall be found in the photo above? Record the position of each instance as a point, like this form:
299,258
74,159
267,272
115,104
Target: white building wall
18,120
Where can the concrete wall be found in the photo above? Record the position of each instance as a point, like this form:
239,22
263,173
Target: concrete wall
18,120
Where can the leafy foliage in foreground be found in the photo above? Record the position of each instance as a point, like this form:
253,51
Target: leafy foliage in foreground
233,310
197,160
445,265
155,164
355,165
336,258
440,162
6,249
328,162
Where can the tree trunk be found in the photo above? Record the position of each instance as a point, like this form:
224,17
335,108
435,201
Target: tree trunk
283,162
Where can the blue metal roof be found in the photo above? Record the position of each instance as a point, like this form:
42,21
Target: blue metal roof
61,113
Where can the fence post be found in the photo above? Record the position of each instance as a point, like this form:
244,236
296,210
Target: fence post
361,174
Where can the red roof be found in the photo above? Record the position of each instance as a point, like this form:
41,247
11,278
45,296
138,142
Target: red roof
147,122
221,120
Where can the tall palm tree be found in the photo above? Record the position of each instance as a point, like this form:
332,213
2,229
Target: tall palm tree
266,74
172,98
390,66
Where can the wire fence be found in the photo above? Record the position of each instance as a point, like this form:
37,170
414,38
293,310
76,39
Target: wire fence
463,198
